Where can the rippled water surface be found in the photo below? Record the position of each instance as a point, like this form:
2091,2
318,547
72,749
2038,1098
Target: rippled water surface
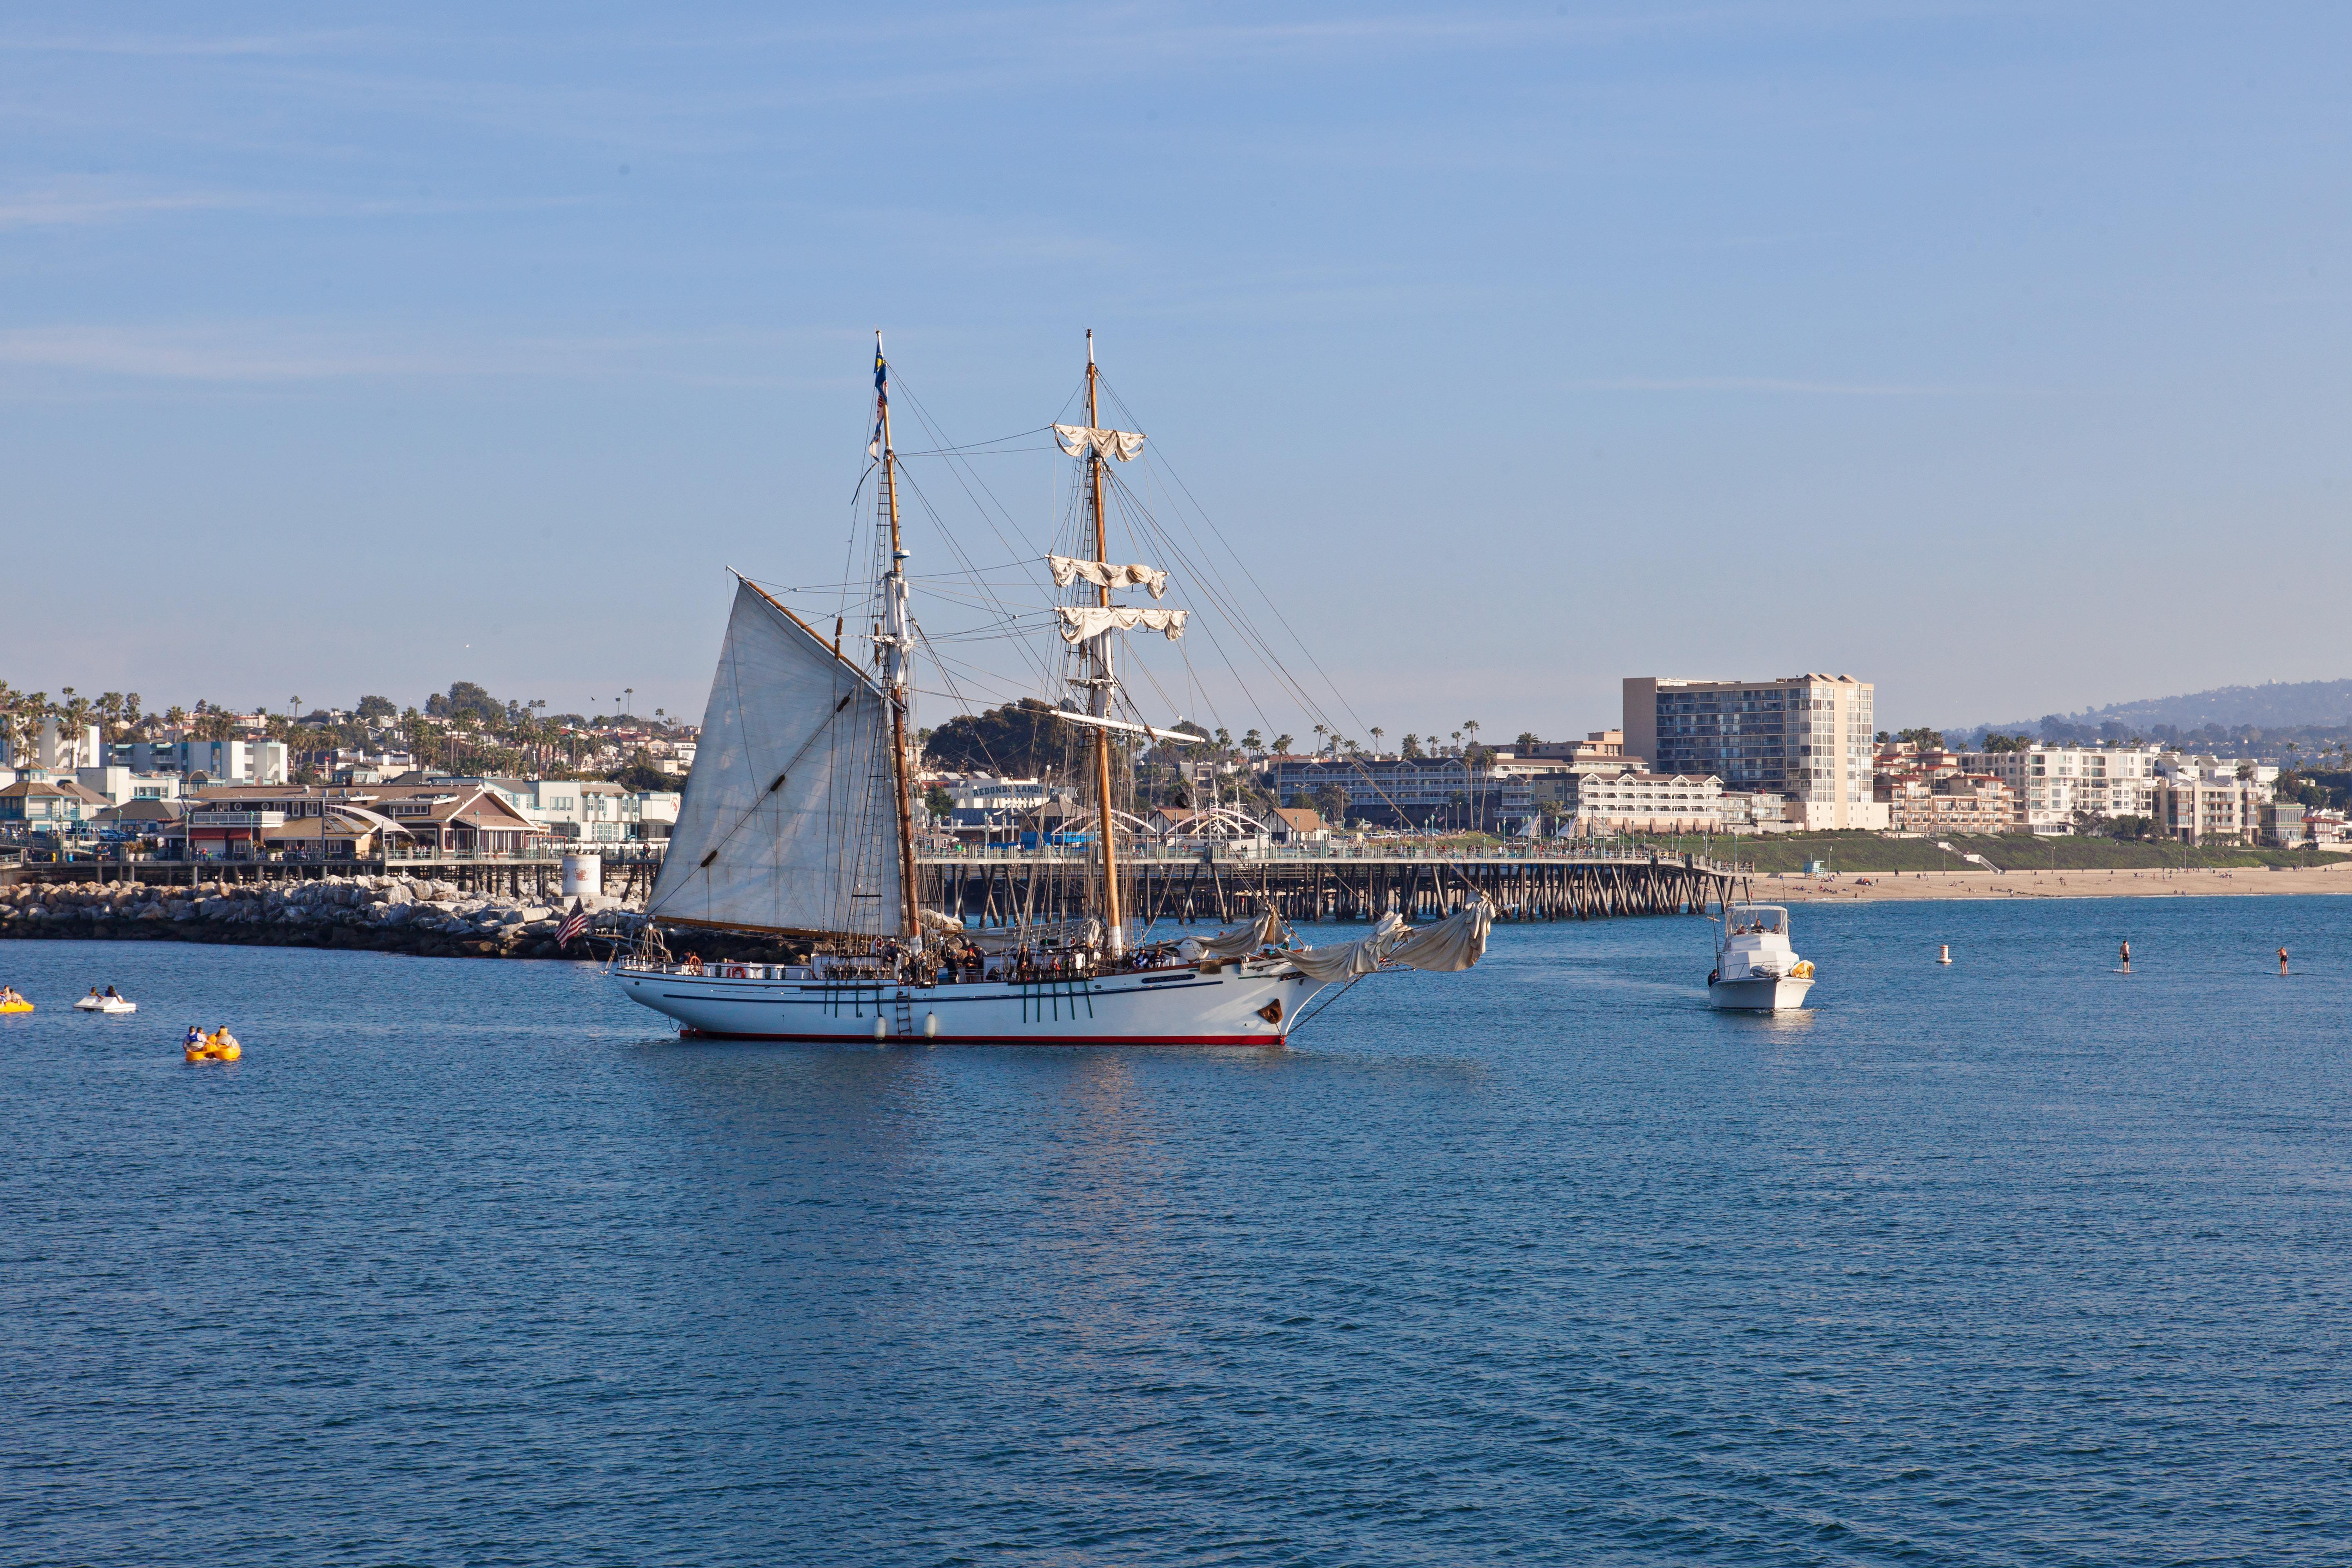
2020,1261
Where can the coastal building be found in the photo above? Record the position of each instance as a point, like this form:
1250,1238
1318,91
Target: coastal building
121,786
465,818
2205,811
987,792
1601,804
2208,799
2291,824
591,810
1295,825
1806,738
1755,811
2059,789
1600,750
1937,799
221,762
1494,791
48,806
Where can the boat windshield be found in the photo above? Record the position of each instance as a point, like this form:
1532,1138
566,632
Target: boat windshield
1753,920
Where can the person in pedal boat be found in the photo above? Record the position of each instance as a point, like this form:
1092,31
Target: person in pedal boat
195,1040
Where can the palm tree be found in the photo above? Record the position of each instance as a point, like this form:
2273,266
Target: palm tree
1376,734
1253,741
1281,745
1320,731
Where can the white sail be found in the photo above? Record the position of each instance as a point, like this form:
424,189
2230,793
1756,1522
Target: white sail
788,823
1123,445
1081,623
1069,569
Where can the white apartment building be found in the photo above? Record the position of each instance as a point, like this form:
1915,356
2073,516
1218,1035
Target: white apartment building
221,762
2053,788
1807,738
122,786
1598,805
589,809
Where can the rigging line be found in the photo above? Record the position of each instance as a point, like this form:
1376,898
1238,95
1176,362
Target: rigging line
1211,587
1163,465
1211,584
966,453
968,478
1005,615
1211,590
949,449
1306,700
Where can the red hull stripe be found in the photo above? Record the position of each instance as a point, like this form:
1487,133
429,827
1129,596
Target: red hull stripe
1002,1039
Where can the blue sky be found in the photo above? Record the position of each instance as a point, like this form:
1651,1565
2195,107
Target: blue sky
1994,352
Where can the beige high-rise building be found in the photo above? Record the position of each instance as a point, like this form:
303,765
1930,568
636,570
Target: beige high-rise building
1805,737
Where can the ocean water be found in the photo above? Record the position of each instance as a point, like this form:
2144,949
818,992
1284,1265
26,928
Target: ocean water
2020,1261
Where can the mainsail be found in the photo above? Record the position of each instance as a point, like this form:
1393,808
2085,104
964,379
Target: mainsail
788,823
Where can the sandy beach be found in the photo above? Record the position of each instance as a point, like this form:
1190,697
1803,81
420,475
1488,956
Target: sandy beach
2242,881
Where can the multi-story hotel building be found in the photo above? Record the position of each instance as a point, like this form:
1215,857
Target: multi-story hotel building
1803,737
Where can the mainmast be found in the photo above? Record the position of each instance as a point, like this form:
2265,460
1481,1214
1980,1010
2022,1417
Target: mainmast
1099,692
897,648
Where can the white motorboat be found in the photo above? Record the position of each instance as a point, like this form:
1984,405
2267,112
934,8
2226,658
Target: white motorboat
94,1003
798,815
1756,969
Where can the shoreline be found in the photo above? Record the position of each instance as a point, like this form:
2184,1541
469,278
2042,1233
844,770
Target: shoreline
1989,886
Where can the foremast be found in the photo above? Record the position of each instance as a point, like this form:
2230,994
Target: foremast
897,646
1098,693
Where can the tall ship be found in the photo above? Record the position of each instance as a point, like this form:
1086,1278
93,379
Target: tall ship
799,822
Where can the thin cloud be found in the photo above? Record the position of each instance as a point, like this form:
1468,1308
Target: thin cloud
1777,384
65,206
261,353
62,208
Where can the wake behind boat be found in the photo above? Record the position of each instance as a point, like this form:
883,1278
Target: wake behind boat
798,822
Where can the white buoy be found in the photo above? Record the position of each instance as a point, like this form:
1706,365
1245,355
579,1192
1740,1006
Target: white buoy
881,1030
930,1026
1944,953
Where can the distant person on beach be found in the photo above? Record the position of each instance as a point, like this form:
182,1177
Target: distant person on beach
2282,960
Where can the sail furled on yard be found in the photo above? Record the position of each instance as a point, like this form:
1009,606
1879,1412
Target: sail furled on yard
1120,445
788,822
1069,569
1080,623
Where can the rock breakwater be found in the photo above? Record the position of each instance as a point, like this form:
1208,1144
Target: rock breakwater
393,914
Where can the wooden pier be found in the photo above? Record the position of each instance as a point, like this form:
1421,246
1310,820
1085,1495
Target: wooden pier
1162,887
1013,890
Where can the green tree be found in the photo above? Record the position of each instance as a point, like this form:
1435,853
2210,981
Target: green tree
1020,740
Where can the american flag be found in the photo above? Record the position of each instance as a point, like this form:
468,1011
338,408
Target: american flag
573,924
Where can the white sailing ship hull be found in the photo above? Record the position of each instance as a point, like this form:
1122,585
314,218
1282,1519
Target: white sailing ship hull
1758,993
1254,1004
